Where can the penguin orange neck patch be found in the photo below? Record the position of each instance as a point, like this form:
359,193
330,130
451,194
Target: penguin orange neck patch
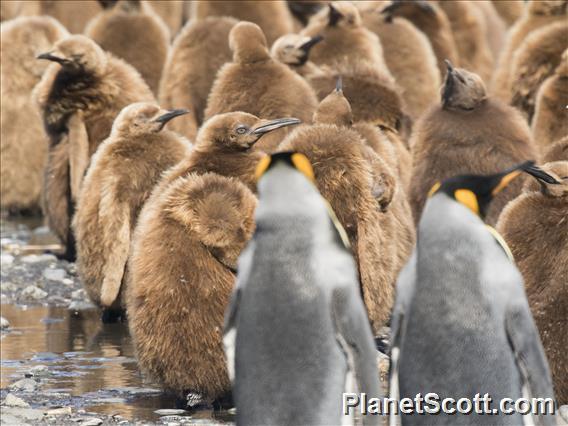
468,199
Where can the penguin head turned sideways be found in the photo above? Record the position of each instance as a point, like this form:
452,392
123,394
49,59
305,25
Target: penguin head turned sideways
476,191
142,118
238,131
77,54
462,90
293,49
296,164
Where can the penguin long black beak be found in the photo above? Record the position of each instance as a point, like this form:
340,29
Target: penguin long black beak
449,84
269,126
334,16
164,118
307,46
49,56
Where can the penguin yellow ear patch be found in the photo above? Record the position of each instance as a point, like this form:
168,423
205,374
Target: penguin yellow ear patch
301,162
434,189
468,199
262,167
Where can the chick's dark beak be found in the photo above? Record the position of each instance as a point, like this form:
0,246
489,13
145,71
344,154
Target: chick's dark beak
51,57
449,84
268,126
541,175
307,46
164,118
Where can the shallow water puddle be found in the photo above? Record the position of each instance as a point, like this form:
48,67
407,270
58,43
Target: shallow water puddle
91,365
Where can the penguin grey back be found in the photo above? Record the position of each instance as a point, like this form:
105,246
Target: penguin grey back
295,306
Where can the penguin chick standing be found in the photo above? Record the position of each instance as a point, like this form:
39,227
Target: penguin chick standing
259,85
23,141
469,132
297,280
534,226
535,60
79,96
122,173
273,16
182,272
199,50
461,308
550,121
132,31
433,22
410,59
345,38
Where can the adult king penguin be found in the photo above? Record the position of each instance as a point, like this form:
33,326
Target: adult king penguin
297,280
461,325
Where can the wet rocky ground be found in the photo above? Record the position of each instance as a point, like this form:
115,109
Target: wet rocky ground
59,363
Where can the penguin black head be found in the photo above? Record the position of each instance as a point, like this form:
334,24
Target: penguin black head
238,131
293,49
343,14
462,90
143,118
476,191
77,53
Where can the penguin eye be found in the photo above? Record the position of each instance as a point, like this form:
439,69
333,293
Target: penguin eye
242,129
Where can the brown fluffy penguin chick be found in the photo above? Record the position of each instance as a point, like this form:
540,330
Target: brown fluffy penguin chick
433,22
558,151
410,59
79,97
198,52
273,16
345,38
257,84
172,13
294,51
550,121
122,173
535,227
23,141
225,146
535,60
182,272
537,14
509,11
73,14
132,31
363,192
469,30
467,133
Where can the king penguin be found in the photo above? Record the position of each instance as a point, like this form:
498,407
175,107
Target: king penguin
298,281
461,324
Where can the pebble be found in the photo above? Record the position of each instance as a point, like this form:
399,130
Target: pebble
67,281
80,294
80,305
13,401
26,385
38,258
54,274
39,370
8,286
59,411
4,323
6,259
169,412
34,292
91,422
563,412
18,416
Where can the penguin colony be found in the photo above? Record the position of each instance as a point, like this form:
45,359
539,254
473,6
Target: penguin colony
263,188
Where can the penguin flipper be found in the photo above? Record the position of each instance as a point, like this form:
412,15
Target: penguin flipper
230,333
115,221
353,333
533,366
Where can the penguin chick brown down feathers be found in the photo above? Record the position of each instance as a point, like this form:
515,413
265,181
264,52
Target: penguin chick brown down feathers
199,50
361,193
183,257
122,173
259,85
534,226
468,133
23,141
132,31
558,151
79,97
461,285
297,280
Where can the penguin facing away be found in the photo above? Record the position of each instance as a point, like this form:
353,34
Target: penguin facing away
122,173
461,285
534,226
297,280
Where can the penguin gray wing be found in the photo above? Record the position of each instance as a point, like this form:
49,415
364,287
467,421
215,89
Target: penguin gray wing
353,333
533,367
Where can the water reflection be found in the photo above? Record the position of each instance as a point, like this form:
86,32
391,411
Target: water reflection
86,358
